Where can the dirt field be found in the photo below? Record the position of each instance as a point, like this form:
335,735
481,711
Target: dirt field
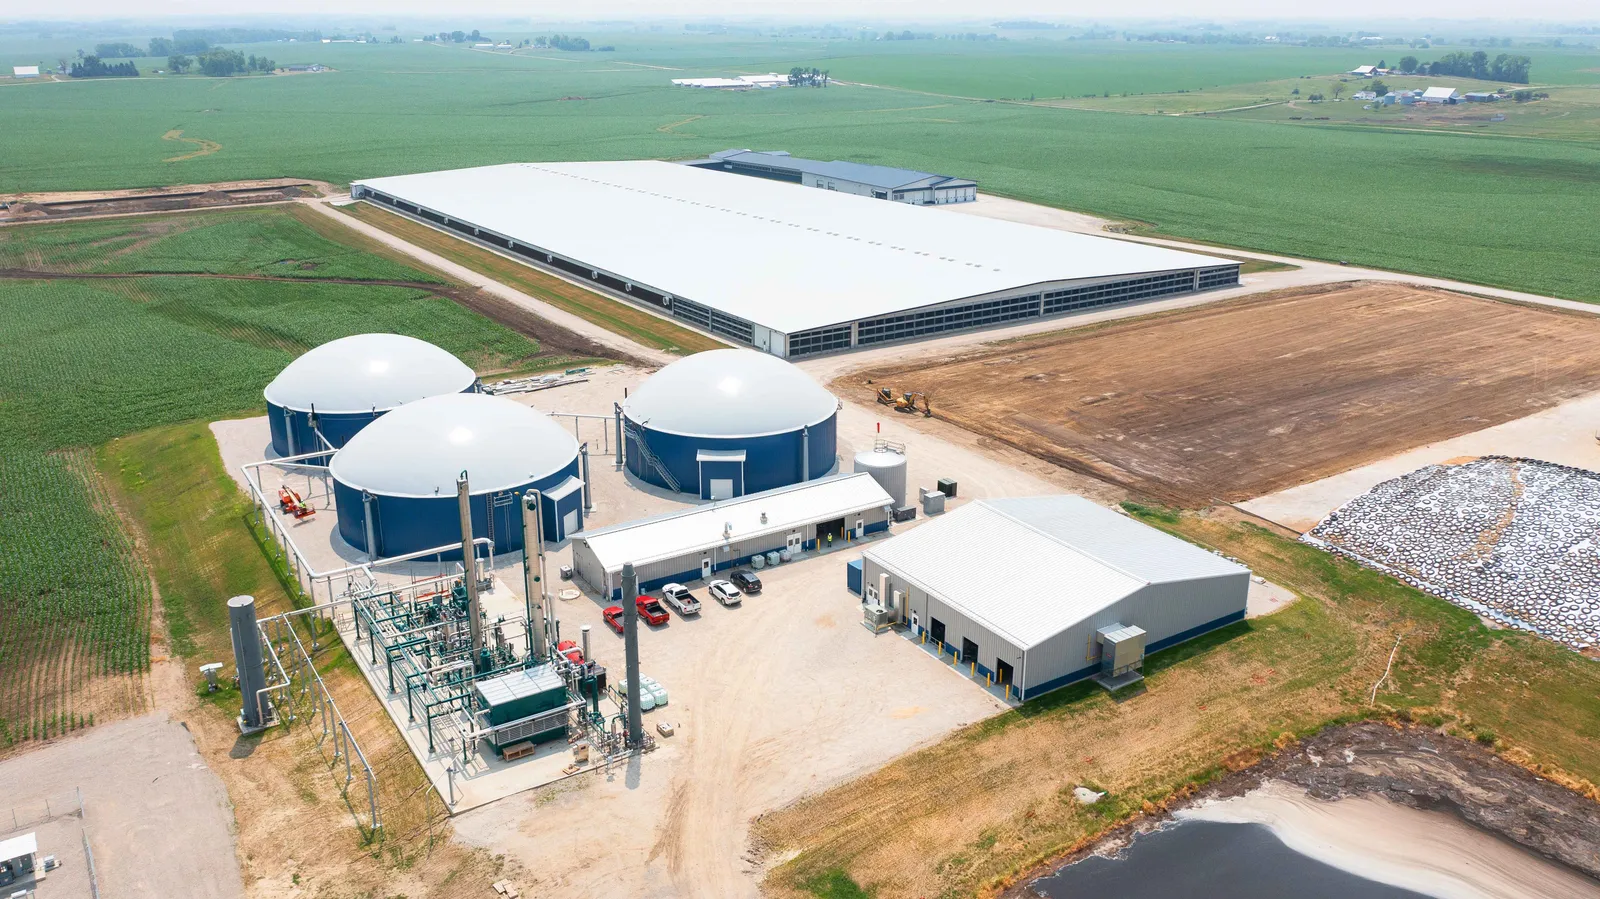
1246,397
79,204
158,819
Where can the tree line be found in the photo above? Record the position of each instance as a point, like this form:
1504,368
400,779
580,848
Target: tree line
799,76
94,67
1461,64
220,63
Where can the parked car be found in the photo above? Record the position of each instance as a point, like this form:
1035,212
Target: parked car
725,593
613,617
570,649
746,581
651,610
679,597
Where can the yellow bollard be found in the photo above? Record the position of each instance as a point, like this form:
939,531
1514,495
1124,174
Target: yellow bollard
974,669
1008,692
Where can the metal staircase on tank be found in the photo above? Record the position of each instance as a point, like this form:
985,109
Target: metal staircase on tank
655,464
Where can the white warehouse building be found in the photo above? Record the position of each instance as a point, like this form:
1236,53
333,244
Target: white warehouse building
698,542
787,270
1039,592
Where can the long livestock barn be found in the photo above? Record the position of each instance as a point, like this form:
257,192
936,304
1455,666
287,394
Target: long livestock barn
790,271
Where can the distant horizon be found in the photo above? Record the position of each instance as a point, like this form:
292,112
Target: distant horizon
1466,13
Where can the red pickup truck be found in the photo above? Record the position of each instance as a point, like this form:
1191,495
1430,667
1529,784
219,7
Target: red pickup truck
651,610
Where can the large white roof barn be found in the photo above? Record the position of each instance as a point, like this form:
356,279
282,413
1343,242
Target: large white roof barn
1023,588
784,268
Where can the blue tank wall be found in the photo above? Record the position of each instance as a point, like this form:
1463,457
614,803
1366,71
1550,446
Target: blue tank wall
770,461
404,524
338,428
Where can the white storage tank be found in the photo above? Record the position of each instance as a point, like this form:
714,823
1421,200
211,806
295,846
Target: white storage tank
888,467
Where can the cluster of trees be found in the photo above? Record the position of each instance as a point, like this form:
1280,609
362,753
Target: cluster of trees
1178,37
1477,64
119,50
92,67
171,46
972,36
906,36
220,63
456,37
569,42
799,76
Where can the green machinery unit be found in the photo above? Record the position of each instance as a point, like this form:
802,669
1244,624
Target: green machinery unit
526,706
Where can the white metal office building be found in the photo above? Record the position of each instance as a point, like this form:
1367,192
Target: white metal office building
697,542
1028,588
785,269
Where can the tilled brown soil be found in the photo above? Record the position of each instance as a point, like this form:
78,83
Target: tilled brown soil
1242,398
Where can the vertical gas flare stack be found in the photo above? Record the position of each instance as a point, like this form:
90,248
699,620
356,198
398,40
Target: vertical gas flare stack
469,567
533,576
630,642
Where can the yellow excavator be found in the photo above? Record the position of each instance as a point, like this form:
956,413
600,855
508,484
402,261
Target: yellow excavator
905,402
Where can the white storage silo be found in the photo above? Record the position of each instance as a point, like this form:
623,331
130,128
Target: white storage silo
888,467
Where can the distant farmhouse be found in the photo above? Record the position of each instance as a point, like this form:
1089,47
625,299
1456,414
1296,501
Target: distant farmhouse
24,71
877,181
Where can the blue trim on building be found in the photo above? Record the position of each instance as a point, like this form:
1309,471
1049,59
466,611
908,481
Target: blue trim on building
1174,640
1193,632
405,524
771,461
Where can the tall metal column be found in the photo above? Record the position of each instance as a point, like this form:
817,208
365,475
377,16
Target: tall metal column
469,564
630,643
616,409
588,492
805,454
249,661
533,575
372,538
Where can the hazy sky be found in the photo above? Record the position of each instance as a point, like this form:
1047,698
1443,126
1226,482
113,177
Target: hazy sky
906,10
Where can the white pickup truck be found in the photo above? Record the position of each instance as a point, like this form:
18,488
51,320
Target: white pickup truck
679,597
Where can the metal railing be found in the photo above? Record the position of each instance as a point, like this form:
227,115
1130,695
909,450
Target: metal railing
302,689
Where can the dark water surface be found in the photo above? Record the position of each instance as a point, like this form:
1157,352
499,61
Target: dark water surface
1203,859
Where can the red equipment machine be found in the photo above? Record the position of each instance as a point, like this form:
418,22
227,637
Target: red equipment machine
291,504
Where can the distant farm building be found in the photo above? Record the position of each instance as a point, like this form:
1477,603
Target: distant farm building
305,68
1364,71
24,71
880,182
740,82
1447,96
1480,97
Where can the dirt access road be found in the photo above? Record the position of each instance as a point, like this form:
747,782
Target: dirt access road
1237,399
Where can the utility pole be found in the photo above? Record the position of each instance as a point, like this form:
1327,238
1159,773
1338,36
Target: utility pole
469,566
533,575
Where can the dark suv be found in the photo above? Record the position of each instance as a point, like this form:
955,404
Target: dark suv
746,581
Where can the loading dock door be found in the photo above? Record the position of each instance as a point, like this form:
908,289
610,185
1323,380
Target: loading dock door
936,629
721,488
826,529
969,650
1002,671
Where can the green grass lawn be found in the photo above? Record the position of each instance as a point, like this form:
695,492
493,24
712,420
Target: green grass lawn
270,241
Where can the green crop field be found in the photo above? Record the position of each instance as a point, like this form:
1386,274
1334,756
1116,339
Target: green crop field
1509,204
85,361
227,242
